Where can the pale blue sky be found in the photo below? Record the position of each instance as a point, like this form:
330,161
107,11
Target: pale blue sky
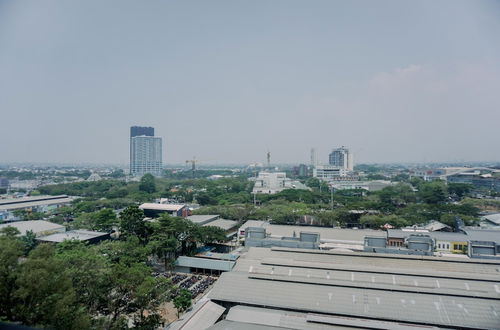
227,80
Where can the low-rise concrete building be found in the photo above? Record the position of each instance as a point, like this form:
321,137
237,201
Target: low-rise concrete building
155,209
274,182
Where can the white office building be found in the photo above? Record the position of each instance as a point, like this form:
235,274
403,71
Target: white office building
145,155
329,172
274,182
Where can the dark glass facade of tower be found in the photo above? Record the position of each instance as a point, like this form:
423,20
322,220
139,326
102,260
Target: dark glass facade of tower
139,131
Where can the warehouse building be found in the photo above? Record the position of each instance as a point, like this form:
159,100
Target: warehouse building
91,237
202,219
211,266
38,227
154,210
8,207
229,226
483,243
307,288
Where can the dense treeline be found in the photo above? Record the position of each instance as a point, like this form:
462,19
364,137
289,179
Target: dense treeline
406,203
106,286
399,205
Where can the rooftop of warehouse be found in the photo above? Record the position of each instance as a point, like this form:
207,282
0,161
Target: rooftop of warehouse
222,223
326,233
202,218
205,263
37,226
161,207
441,310
78,235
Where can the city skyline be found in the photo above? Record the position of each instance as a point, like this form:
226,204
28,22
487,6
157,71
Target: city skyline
396,82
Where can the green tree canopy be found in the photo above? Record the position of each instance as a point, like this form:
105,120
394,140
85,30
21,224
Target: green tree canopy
433,192
182,301
11,249
132,223
147,183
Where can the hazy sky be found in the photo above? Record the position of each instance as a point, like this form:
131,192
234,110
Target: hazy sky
225,81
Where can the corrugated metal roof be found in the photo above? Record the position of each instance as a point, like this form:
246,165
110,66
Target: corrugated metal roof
432,262
39,227
400,284
277,318
161,207
222,223
365,277
205,263
29,204
202,219
78,235
30,199
484,235
438,310
495,218
200,318
231,325
308,321
490,275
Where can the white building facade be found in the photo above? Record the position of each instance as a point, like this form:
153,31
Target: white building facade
145,155
329,172
271,183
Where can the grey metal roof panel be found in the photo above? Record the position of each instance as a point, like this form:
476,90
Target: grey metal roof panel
29,204
493,275
232,325
361,263
416,287
202,218
484,235
495,218
437,310
222,223
300,321
79,235
431,262
459,286
39,227
205,263
200,318
30,199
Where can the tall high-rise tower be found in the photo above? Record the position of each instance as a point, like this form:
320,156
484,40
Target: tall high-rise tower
138,131
313,157
341,157
145,151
